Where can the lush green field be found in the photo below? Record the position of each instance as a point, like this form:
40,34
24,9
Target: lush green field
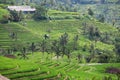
72,27
38,67
46,66
38,58
34,31
23,35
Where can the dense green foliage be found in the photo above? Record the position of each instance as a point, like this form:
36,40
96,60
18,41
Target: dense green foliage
41,13
90,12
38,67
7,2
4,15
16,16
91,41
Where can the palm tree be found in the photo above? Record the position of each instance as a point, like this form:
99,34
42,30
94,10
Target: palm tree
32,47
23,54
56,48
78,57
75,42
68,53
63,40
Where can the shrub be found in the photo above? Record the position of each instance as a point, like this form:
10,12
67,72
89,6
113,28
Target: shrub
4,15
16,16
2,6
40,14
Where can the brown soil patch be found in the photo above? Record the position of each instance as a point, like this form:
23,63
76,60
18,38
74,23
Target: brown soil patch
10,56
113,70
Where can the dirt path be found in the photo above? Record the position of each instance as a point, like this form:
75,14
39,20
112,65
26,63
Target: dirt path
90,64
3,78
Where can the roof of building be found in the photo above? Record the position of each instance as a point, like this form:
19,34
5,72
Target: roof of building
21,8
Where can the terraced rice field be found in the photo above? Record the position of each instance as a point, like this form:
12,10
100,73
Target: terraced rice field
38,68
23,35
47,66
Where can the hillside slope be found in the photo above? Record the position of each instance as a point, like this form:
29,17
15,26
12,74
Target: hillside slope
39,68
41,64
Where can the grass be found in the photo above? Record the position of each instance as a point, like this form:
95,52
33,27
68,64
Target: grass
39,67
23,35
72,27
46,69
60,15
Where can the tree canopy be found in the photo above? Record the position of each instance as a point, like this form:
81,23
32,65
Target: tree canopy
41,13
16,16
7,2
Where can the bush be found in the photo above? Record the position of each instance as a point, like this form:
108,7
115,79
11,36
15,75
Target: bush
3,6
4,19
4,16
16,16
40,14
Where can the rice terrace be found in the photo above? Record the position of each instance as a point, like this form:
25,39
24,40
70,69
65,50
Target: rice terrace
59,39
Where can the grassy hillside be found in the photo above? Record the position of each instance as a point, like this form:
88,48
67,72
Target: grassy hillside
42,65
72,27
34,31
23,35
58,15
39,68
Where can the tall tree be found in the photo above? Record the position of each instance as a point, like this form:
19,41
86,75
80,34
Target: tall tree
97,35
7,2
79,56
90,12
117,47
41,13
92,48
43,46
75,42
64,39
32,47
91,32
23,53
68,53
63,42
56,48
16,16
